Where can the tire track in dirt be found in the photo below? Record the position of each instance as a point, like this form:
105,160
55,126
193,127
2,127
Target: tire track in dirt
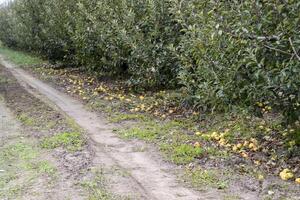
148,177
9,127
29,182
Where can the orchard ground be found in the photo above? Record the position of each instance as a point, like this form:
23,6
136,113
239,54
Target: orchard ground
224,156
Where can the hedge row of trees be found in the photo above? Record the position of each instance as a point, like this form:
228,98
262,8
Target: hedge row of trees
222,53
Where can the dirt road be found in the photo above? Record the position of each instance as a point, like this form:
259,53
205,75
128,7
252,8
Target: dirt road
26,170
147,175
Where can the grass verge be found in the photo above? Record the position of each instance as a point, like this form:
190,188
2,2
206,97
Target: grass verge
71,141
21,165
20,58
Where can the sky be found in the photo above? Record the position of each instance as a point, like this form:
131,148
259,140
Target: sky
2,1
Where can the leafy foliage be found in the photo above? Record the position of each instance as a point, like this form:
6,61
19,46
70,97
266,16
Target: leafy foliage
241,53
222,53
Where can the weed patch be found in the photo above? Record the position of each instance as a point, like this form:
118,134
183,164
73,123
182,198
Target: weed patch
203,178
182,154
97,188
148,134
17,151
128,117
21,165
26,120
71,141
45,167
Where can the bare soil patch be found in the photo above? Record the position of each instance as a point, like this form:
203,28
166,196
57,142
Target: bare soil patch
40,173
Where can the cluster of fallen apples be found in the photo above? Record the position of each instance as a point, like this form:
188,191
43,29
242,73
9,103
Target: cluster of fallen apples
251,145
287,174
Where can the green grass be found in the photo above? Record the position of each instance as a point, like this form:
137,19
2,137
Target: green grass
3,80
45,167
204,178
21,165
17,151
170,136
26,120
73,141
20,58
181,154
216,152
128,117
149,129
97,188
148,134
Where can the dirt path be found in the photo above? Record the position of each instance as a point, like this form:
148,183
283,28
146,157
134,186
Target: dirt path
26,171
8,126
145,175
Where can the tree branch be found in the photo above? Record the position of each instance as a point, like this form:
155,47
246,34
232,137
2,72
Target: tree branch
294,49
268,38
272,48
